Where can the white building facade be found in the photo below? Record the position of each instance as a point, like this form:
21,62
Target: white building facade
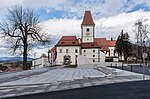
69,48
67,54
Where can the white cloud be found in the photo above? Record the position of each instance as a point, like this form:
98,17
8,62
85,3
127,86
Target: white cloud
59,27
75,8
5,4
4,52
110,16
113,25
105,27
8,3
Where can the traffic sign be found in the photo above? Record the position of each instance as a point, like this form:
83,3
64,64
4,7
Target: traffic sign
144,55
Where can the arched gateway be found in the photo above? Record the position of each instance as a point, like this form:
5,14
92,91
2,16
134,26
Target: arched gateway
67,60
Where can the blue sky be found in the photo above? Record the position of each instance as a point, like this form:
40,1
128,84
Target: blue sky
63,17
127,6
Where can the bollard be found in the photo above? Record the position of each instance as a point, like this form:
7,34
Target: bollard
111,65
122,67
131,68
116,65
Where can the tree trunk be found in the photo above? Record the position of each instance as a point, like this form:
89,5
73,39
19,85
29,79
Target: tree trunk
25,67
25,51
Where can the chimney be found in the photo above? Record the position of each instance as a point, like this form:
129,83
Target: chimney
111,39
79,39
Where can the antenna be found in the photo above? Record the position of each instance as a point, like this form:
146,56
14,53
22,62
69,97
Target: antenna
89,8
85,9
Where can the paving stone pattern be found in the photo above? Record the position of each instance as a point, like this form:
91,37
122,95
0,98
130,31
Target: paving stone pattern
48,80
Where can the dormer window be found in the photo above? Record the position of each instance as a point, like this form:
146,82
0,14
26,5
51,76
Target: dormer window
92,45
87,29
66,50
60,50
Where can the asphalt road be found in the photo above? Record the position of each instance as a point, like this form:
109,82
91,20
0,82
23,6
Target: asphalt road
136,68
128,90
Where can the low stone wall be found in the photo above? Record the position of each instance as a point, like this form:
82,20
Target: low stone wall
110,64
85,66
96,64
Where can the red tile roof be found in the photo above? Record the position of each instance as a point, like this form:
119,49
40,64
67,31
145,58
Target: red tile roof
104,48
111,43
89,45
68,41
88,20
101,41
105,43
53,49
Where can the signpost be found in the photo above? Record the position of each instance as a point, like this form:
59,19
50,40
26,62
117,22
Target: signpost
144,55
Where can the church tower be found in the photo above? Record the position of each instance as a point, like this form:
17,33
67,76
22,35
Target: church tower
87,28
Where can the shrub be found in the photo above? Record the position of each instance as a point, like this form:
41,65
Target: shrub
3,68
109,60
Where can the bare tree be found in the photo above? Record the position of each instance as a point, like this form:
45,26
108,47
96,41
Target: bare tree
142,33
22,29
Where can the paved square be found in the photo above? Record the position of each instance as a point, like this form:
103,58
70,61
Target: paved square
53,79
52,75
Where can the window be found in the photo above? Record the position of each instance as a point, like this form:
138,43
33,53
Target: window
112,51
93,50
76,59
76,51
87,39
84,51
66,50
60,50
93,55
87,29
93,60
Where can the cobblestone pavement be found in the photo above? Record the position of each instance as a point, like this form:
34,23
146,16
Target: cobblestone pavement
90,77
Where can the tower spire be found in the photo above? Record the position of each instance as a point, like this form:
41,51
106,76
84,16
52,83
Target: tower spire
87,28
88,20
